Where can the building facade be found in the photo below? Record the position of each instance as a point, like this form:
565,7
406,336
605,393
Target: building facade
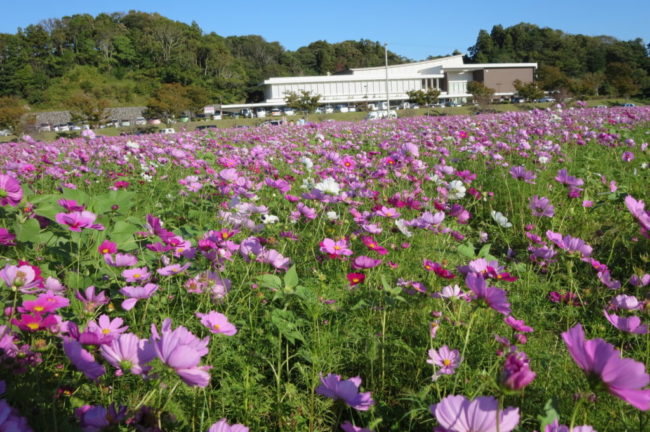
450,75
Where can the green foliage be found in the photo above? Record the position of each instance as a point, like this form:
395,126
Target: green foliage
423,97
303,101
480,92
529,91
11,111
570,62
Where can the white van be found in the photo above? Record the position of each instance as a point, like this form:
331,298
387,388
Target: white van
376,115
260,113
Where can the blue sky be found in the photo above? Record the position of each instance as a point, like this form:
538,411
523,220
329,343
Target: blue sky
412,28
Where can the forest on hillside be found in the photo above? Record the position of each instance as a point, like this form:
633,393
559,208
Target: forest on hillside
125,58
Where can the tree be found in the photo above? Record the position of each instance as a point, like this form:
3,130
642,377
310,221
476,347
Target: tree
11,112
481,94
422,97
87,108
303,101
167,102
529,91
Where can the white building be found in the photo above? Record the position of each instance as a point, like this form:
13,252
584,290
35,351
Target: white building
448,74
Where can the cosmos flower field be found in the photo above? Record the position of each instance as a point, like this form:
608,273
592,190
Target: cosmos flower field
483,273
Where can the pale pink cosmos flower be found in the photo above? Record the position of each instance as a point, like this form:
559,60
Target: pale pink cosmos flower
627,324
217,323
447,360
136,275
129,352
459,414
135,293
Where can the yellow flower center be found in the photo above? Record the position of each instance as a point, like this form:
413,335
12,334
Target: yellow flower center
337,247
446,362
32,326
39,308
106,331
217,327
136,276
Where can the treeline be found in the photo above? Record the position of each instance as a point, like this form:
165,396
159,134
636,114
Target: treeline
125,58
576,64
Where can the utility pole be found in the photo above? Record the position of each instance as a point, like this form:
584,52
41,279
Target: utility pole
387,98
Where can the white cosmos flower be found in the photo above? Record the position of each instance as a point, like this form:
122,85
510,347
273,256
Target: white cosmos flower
399,223
329,185
331,215
268,219
500,219
307,162
456,190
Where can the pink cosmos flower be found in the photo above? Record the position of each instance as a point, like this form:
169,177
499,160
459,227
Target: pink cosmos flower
217,323
34,322
10,191
129,352
107,247
76,220
82,359
517,325
541,206
274,258
373,245
7,238
355,278
136,275
349,427
120,260
556,427
19,277
458,414
223,426
448,360
495,298
107,327
44,303
625,378
629,325
626,302
346,390
570,244
71,205
135,293
365,262
182,351
637,208
172,269
516,373
335,248
92,300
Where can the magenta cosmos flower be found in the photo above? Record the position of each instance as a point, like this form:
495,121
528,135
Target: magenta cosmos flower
223,426
336,248
346,390
625,378
217,323
140,274
10,191
76,220
82,359
458,414
516,373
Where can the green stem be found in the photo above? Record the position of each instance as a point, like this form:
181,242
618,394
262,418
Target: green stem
462,355
575,412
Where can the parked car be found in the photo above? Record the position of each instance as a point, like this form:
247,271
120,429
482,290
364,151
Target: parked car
125,123
272,123
381,114
202,127
140,121
546,99
260,113
289,111
44,127
276,112
216,117
629,105
247,113
168,131
61,128
352,108
342,108
329,109
5,132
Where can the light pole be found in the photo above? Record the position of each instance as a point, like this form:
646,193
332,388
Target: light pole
387,98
